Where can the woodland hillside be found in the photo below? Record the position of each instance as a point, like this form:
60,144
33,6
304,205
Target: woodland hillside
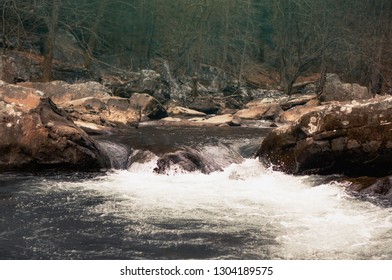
278,39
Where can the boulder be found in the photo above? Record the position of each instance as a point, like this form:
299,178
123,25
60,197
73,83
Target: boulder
145,81
8,69
293,114
115,111
267,111
148,106
352,138
60,92
212,78
188,160
285,102
376,187
36,135
67,49
28,66
185,112
335,90
221,120
110,111
205,104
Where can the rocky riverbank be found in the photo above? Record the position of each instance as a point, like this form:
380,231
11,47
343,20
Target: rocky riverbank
344,130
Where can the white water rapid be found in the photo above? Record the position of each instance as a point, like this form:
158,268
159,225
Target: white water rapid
245,211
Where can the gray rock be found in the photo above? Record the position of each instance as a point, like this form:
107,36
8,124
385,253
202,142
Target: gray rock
335,90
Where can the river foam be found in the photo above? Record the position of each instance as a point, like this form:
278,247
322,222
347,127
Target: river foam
268,214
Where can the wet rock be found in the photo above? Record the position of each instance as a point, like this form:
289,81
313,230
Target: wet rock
370,186
187,159
351,138
36,135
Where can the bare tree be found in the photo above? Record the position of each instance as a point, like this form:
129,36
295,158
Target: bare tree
50,41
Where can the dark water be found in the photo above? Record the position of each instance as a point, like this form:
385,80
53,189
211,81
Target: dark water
244,212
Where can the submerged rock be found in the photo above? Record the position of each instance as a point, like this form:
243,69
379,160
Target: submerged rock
370,186
352,138
36,135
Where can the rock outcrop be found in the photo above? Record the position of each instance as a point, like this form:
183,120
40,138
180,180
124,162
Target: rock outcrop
335,90
206,104
8,69
60,92
36,135
148,106
352,138
145,81
91,102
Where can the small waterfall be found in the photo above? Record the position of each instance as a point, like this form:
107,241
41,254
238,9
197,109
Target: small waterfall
118,154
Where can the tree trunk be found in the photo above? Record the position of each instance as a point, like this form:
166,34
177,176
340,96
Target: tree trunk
323,78
93,36
50,41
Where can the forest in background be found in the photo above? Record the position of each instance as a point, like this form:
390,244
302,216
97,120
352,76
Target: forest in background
288,37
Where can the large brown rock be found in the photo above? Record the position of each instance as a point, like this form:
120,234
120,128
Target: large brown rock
264,111
110,111
352,138
92,102
36,135
148,106
295,113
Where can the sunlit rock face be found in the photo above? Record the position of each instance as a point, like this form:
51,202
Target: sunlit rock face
36,135
352,138
91,102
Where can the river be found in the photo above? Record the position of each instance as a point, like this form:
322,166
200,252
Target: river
244,211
